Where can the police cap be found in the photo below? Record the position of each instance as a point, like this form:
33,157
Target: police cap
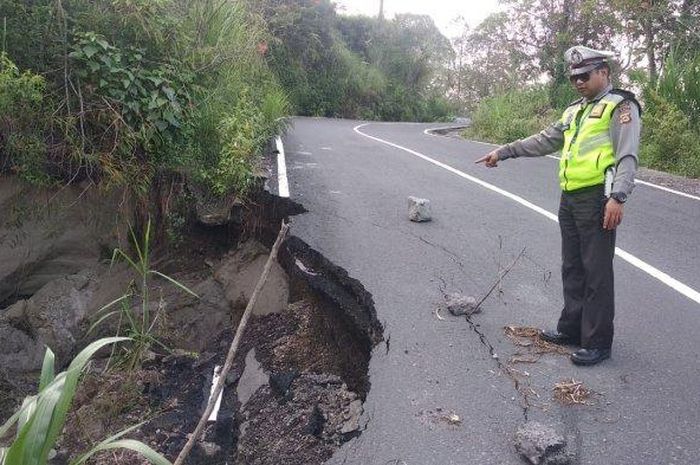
584,59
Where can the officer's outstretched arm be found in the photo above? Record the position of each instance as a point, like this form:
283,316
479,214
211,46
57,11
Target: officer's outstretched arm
543,143
490,160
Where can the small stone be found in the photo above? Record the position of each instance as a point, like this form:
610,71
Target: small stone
459,304
316,422
210,449
541,444
353,417
281,383
419,209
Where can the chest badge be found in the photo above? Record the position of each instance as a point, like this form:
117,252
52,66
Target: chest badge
598,110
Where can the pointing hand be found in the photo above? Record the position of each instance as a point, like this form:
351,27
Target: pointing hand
490,160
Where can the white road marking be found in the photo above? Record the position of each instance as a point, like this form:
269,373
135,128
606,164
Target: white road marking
626,256
429,132
217,405
667,189
282,183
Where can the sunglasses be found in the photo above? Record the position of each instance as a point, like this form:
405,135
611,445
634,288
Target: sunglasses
583,77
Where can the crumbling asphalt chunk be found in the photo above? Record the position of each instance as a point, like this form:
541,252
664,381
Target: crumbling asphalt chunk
252,379
281,384
316,421
419,209
541,444
459,304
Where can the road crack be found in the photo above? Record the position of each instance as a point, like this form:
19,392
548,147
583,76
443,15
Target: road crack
523,389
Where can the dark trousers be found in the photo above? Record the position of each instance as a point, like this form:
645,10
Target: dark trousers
587,268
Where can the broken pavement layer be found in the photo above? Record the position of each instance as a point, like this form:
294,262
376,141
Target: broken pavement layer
315,351
542,445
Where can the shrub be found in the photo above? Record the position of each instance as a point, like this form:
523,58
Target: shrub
669,140
512,115
22,147
139,328
679,83
137,86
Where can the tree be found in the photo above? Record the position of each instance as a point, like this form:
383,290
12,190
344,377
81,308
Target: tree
413,52
489,61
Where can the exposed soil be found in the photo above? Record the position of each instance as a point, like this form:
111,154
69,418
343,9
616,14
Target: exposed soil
301,416
314,354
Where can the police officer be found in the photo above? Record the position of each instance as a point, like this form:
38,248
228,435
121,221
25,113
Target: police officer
598,137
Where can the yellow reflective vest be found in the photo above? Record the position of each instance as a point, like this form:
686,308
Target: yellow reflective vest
588,149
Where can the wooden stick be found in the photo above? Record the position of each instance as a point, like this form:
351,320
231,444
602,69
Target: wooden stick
498,281
233,349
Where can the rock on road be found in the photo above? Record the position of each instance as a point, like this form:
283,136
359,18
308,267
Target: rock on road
355,189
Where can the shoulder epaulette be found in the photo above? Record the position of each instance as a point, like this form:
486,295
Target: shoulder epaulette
627,95
575,102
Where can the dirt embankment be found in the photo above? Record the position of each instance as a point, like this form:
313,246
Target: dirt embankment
296,390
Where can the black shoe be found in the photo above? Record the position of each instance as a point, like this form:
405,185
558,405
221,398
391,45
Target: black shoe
555,337
590,356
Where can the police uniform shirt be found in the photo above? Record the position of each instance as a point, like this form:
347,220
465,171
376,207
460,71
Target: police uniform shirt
625,129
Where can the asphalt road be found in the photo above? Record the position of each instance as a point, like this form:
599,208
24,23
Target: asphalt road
355,189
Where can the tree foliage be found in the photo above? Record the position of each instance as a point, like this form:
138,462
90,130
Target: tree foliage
136,86
523,47
357,67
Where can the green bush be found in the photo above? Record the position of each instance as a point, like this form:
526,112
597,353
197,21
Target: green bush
133,87
671,118
22,124
150,97
510,116
669,140
679,83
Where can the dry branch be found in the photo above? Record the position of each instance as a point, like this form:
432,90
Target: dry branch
529,337
233,349
498,281
572,392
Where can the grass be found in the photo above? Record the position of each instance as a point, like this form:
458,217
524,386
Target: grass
139,328
510,116
41,418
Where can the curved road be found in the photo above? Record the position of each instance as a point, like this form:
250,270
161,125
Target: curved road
354,179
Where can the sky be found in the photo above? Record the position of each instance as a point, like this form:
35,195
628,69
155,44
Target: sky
443,12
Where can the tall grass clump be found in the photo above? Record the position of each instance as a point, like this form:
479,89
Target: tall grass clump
671,120
669,138
511,115
679,83
238,106
135,308
41,418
